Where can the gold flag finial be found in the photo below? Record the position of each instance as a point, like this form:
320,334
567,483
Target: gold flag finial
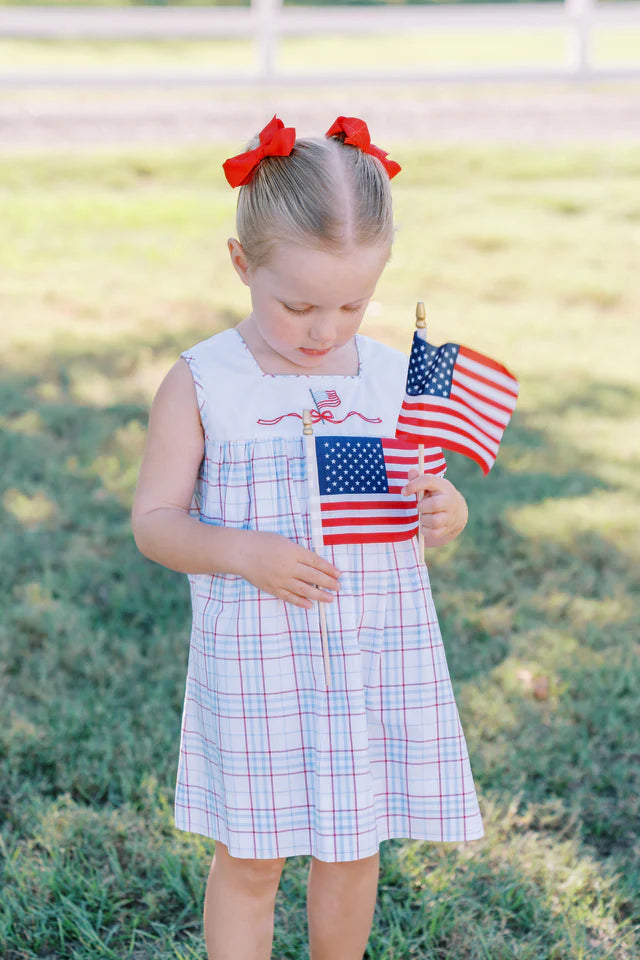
421,315
307,428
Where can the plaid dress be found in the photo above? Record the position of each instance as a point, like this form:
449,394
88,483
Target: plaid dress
273,763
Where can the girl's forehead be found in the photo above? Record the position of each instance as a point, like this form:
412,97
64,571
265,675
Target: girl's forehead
307,270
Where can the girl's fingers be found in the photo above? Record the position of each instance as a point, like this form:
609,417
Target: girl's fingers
319,563
435,525
311,592
311,575
290,597
315,569
323,595
305,599
434,505
428,482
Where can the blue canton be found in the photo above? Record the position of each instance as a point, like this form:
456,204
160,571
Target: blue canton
431,368
348,465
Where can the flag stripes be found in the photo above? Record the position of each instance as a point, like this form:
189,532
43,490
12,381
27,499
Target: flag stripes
359,483
458,398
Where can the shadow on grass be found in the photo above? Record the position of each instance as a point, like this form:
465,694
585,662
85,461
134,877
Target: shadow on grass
95,643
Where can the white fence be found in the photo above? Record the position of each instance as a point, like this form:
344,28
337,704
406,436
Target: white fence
266,21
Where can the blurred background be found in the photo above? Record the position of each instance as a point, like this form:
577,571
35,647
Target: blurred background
517,126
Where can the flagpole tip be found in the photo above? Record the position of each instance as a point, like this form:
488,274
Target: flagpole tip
421,315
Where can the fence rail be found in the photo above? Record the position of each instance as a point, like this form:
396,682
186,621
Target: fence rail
266,21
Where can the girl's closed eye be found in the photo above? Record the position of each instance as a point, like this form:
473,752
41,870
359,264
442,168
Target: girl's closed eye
296,309
348,308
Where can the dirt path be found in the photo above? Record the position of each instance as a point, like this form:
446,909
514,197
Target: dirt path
555,112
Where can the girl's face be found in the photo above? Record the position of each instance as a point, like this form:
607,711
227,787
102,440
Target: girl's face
308,303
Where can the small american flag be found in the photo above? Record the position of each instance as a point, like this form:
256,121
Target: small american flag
457,398
324,399
356,484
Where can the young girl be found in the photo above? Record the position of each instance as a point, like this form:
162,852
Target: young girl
273,761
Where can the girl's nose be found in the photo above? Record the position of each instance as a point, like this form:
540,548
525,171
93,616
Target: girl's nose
323,330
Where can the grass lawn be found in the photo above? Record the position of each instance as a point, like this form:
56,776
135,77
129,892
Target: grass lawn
111,263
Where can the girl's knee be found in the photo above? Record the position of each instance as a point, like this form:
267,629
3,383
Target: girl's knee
251,870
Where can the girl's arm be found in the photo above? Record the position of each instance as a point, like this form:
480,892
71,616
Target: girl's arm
165,532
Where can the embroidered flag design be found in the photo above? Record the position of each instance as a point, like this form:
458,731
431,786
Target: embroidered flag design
457,398
324,399
356,484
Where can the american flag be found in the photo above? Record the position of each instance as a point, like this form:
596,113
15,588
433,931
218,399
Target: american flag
356,484
325,398
457,398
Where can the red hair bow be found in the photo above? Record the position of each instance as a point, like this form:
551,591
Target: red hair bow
276,140
357,134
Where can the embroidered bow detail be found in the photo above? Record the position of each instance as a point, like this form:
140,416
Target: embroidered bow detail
357,134
276,140
320,416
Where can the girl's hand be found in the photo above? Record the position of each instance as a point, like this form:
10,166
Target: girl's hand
286,569
443,510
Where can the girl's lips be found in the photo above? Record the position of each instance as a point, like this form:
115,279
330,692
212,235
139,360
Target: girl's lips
314,353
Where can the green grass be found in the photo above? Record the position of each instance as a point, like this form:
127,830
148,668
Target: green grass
110,265
433,49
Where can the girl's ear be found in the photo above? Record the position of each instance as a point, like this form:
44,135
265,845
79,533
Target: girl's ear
238,259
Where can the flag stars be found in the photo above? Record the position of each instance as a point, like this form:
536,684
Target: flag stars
351,465
429,367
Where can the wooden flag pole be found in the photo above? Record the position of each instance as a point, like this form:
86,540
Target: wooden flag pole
316,539
421,323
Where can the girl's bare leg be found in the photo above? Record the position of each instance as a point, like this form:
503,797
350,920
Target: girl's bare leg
341,899
239,906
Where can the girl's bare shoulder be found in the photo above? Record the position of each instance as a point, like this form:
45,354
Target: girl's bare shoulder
174,446
174,418
176,395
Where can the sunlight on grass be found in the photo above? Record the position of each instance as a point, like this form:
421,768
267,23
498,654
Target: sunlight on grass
112,846
117,465
29,423
30,511
48,391
91,388
614,515
589,611
35,594
521,863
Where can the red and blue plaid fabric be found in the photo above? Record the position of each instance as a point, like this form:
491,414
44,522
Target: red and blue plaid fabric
273,763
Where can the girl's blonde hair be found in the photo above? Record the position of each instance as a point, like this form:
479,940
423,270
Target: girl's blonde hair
325,193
